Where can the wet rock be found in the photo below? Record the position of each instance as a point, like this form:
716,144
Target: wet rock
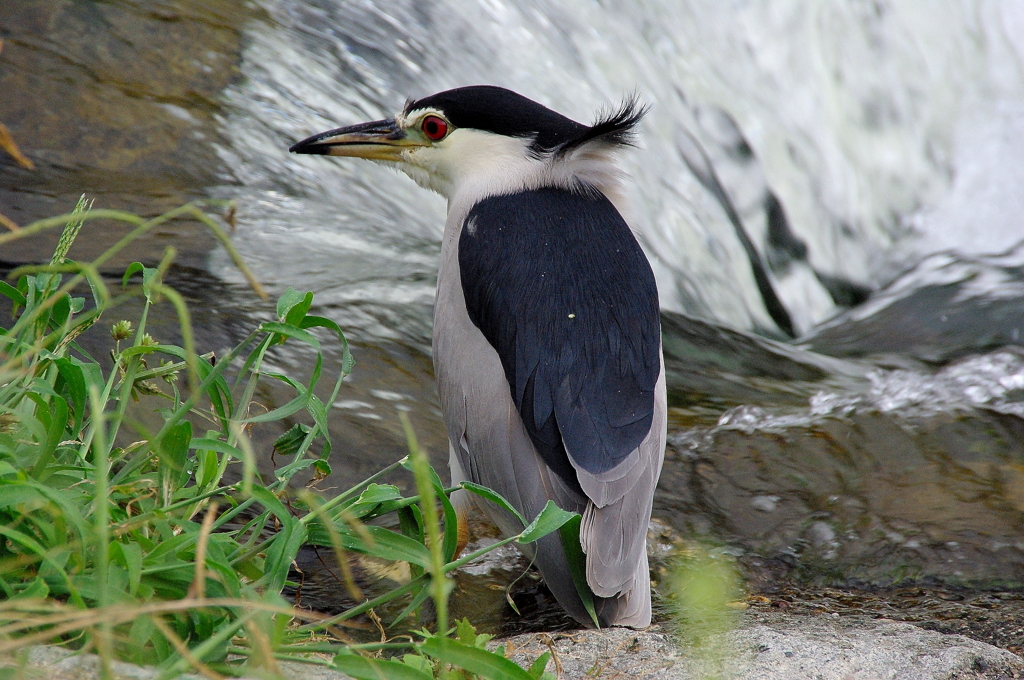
868,496
787,648
768,647
943,308
57,663
916,476
709,366
117,100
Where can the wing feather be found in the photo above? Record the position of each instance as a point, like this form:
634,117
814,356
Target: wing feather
559,286
561,302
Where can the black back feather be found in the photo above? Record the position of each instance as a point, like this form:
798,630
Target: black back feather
557,283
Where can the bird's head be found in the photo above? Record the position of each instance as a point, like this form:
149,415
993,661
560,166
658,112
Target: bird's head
484,140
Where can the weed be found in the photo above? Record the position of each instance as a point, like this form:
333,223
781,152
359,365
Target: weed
143,551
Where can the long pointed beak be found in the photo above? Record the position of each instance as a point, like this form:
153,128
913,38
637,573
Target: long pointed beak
377,140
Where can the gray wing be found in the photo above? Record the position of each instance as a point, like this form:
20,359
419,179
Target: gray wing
559,286
492,446
614,536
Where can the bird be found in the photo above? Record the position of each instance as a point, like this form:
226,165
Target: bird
547,336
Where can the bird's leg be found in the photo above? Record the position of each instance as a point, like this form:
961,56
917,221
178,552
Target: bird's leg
462,516
460,500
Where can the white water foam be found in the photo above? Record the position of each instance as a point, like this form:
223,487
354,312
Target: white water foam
874,124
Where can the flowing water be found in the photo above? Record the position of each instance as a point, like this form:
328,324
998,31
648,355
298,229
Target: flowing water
863,158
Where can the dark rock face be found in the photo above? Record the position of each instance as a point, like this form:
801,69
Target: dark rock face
117,100
866,496
844,470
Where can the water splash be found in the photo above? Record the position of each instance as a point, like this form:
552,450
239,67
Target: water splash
853,124
992,381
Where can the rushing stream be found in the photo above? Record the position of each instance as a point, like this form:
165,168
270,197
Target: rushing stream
866,157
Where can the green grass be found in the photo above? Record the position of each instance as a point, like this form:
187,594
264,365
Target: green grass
132,544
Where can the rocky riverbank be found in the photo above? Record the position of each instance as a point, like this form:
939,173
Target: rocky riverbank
766,646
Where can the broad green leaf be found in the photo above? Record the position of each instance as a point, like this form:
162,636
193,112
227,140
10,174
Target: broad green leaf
378,493
288,443
150,275
372,501
480,661
451,535
141,634
173,450
31,430
44,529
418,661
130,556
72,383
317,409
410,521
467,634
205,444
577,559
58,418
26,541
36,590
141,350
539,666
299,402
68,502
91,371
386,544
550,518
282,553
494,497
298,311
394,546
312,321
284,545
362,668
288,299
281,412
17,495
11,292
207,466
347,362
434,479
60,311
272,503
41,388
165,550
450,543
288,471
217,561
133,269
291,332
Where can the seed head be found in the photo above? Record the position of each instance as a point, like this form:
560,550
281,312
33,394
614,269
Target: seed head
122,330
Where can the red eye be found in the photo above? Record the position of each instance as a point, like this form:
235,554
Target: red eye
434,128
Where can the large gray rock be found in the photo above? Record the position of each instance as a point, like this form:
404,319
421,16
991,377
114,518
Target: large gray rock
765,647
57,663
769,648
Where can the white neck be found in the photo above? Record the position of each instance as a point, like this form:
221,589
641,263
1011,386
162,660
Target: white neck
470,165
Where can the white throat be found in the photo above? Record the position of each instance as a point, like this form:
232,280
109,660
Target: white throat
470,165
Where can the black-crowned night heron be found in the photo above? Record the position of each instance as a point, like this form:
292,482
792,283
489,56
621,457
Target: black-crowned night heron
547,340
